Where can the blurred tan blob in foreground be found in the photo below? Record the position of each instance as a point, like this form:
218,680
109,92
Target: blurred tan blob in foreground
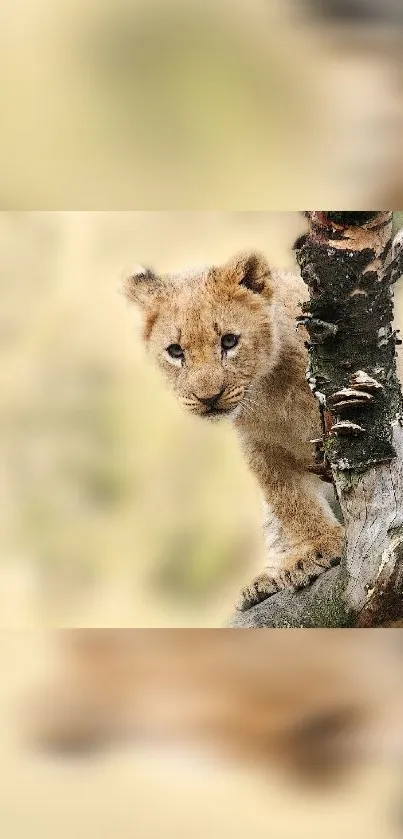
252,104
219,731
311,702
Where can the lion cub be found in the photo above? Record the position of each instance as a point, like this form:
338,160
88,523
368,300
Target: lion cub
226,341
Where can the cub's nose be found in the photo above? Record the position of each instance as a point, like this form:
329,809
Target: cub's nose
210,401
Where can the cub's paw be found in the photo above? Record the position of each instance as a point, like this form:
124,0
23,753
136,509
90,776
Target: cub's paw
261,587
297,573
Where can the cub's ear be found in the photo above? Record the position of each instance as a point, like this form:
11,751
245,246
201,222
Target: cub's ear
251,270
142,286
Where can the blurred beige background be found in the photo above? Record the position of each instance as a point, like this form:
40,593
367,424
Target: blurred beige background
116,507
238,104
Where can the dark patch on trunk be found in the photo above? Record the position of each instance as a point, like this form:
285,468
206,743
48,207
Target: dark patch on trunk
352,218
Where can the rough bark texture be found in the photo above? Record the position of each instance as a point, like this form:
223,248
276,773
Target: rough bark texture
349,320
345,261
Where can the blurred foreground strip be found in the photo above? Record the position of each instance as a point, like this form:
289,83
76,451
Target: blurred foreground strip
315,704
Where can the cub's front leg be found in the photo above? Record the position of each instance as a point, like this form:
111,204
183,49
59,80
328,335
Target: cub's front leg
303,536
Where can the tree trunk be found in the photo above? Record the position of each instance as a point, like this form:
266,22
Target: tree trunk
346,263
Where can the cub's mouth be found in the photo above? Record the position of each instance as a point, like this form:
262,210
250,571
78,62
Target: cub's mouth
221,405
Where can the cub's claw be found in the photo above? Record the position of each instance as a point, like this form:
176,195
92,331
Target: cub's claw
298,574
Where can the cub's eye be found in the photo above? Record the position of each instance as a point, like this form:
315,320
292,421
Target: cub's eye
175,351
229,341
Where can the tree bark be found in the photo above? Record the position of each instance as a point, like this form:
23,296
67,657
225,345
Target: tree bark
346,263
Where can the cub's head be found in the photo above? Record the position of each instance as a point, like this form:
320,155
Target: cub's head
211,330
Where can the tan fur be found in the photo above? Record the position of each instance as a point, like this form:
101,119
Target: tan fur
311,703
264,391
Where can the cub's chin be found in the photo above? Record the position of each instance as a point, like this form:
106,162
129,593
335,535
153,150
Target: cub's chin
222,414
